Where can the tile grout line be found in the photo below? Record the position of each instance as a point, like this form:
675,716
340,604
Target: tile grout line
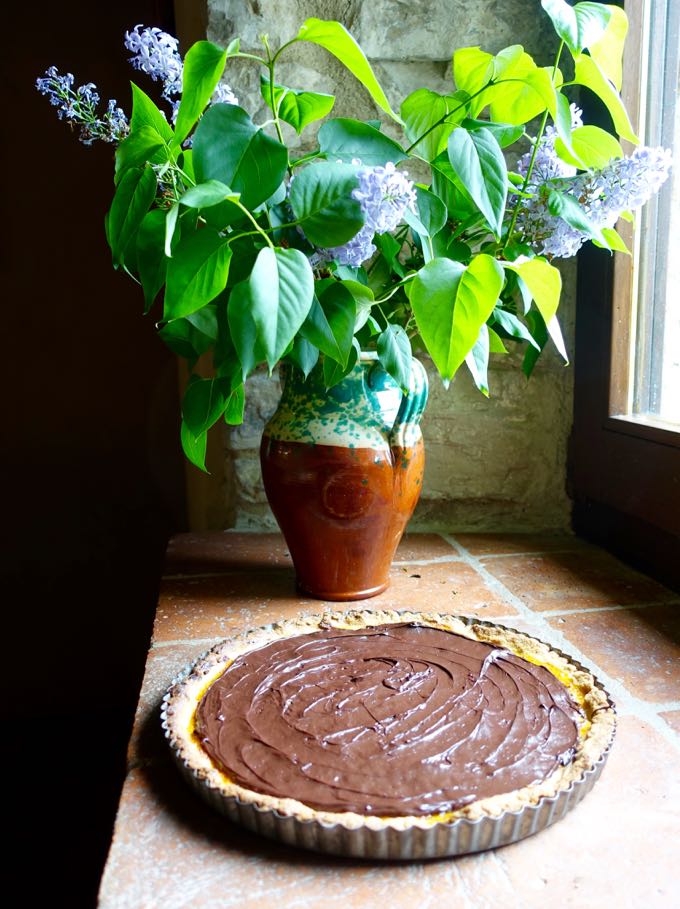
531,552
437,560
615,607
560,613
617,689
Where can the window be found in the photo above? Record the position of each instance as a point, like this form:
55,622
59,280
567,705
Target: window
624,459
645,387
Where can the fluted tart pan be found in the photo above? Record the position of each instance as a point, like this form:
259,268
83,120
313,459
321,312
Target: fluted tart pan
483,824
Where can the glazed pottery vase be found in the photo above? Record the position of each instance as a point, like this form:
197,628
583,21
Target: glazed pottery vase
343,469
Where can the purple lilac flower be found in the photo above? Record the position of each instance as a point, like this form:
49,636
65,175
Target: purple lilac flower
223,95
156,53
625,184
355,252
547,165
551,236
622,185
79,107
384,194
52,84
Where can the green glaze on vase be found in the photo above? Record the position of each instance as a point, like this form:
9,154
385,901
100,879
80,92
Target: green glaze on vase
343,470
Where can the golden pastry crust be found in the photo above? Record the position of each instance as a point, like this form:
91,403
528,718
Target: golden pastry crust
182,700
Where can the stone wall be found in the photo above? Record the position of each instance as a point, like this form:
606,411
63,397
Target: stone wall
491,464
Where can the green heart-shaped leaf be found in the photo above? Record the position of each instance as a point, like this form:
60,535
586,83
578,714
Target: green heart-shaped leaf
197,272
229,148
477,160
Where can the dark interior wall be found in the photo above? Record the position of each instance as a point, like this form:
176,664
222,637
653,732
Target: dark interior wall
93,480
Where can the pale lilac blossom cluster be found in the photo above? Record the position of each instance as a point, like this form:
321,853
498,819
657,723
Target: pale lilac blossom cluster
223,95
384,194
625,183
621,185
156,54
79,107
547,166
355,252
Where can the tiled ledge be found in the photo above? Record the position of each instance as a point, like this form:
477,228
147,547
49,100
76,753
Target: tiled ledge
170,851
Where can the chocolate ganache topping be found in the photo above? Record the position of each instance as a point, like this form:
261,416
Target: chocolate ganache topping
388,720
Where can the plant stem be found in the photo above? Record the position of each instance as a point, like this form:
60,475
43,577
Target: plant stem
534,152
395,288
303,160
257,227
451,112
439,122
380,309
244,56
282,49
264,230
274,103
184,176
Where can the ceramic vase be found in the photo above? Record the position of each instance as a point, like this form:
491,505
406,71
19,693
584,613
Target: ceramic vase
343,470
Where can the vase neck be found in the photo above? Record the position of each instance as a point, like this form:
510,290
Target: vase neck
366,409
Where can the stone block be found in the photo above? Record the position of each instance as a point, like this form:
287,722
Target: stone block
262,398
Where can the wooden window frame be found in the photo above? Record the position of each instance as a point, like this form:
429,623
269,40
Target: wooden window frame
623,469
625,294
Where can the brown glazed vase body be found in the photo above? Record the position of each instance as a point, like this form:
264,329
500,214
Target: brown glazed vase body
343,470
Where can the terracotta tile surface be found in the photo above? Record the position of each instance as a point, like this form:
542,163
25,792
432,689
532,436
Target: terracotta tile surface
479,544
640,647
190,553
617,848
445,587
574,580
207,552
173,852
207,607
672,717
424,546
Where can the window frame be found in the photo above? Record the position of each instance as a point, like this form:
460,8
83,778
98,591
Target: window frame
623,473
625,291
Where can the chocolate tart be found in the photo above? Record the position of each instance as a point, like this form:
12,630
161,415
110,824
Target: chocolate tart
384,734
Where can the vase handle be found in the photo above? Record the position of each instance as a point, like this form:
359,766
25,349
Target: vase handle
403,433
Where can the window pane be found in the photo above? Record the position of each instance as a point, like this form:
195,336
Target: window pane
656,390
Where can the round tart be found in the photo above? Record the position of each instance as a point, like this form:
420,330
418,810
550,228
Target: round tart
389,734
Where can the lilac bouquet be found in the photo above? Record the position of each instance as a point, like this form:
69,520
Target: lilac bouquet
259,253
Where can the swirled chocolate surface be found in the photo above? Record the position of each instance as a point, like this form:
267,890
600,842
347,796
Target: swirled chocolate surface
390,720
